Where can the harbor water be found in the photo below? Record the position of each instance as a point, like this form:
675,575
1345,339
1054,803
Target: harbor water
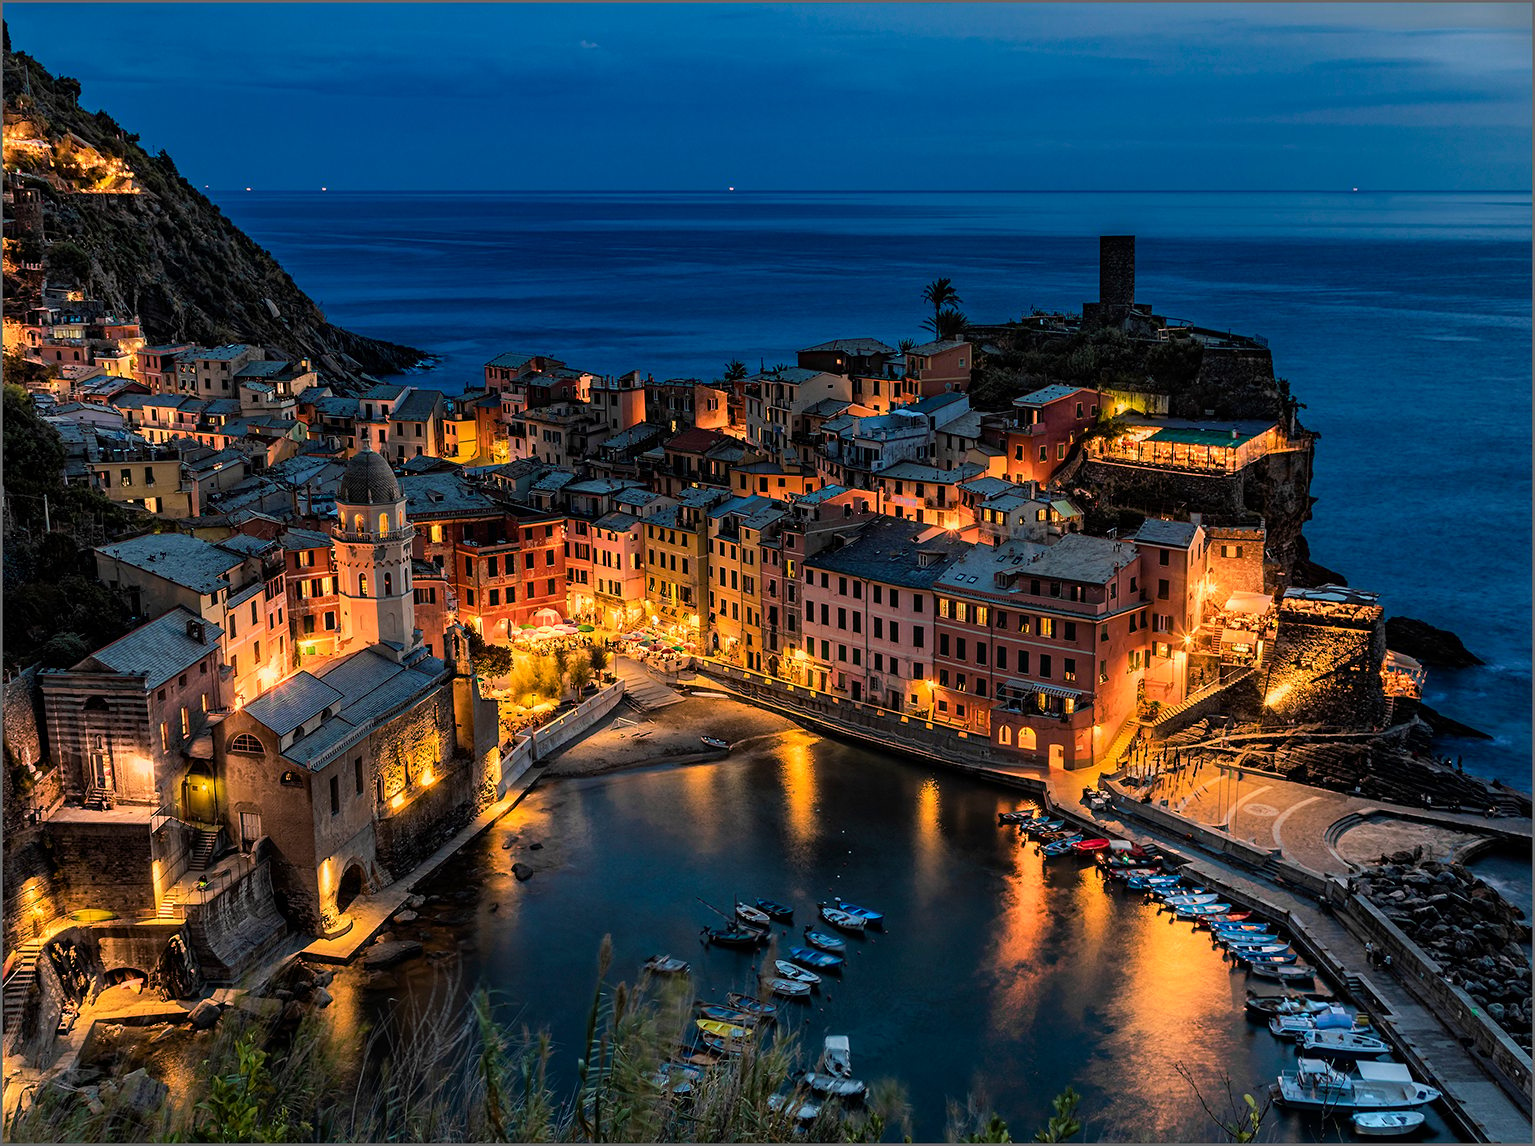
999,974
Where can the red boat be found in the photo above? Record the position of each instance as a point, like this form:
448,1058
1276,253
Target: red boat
1089,845
1229,917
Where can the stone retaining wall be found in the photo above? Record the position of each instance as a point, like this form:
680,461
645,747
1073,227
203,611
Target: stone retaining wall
232,930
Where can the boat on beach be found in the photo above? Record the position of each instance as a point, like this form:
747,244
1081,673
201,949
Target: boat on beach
715,742
1387,1123
833,943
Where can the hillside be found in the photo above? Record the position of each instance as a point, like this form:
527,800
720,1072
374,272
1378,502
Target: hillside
146,242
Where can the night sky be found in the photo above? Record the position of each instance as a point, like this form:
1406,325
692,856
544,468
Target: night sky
814,97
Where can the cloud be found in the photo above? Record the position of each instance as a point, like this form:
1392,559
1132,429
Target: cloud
589,44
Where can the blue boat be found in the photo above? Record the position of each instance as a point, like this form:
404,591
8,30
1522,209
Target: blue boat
776,911
825,942
810,957
726,1014
872,918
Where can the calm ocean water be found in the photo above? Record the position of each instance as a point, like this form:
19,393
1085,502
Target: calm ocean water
1401,320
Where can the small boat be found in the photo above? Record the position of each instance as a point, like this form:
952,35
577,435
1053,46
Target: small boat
1021,816
1292,1026
1342,1044
1315,1085
797,973
752,1006
1194,910
1284,972
1090,845
755,916
871,918
788,988
1229,917
810,957
723,1029
666,965
1065,836
1191,897
1127,874
676,1077
1387,1123
800,1107
724,1014
715,742
1265,958
1255,945
1059,848
825,942
832,1085
1271,1005
1218,929
837,1056
721,1045
776,911
843,919
734,936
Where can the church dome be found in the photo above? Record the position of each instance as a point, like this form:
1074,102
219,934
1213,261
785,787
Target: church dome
368,481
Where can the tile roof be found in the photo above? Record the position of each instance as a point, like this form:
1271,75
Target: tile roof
886,549
912,471
817,496
383,392
299,698
159,650
220,353
1078,557
248,546
616,521
695,440
857,346
1048,394
265,368
1161,531
371,687
935,402
418,406
927,349
442,495
512,360
179,558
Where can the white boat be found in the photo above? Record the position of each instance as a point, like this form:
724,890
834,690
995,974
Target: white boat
796,972
799,1106
843,919
1341,1044
1284,972
1190,900
837,1056
788,988
1314,1085
1331,1018
755,916
1387,1123
832,1085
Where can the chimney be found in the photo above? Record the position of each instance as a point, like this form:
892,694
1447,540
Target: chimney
196,631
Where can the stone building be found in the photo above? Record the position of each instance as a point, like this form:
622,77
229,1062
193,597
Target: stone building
1327,658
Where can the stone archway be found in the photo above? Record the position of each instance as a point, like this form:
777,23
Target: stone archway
353,882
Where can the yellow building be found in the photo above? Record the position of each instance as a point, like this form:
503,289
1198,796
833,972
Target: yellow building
676,559
737,530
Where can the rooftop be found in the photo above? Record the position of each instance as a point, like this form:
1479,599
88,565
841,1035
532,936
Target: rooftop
1048,394
179,558
418,405
512,360
159,650
221,353
1160,531
886,549
299,698
927,349
857,346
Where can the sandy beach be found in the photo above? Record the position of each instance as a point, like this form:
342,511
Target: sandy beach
630,739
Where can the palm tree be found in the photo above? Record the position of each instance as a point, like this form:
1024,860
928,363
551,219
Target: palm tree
735,371
947,323
940,293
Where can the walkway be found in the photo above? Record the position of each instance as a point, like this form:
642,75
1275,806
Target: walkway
369,913
1452,1065
642,686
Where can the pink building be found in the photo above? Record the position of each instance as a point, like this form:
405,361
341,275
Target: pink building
618,569
1047,424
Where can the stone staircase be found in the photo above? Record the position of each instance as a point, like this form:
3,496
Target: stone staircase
98,799
204,843
171,904
19,985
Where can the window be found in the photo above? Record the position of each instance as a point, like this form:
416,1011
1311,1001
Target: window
1004,735
1069,668
1047,626
1044,453
1044,665
1231,551
245,744
1071,630
357,774
495,597
943,644
917,636
388,584
186,721
1162,556
335,794
165,736
330,620
1162,590
362,584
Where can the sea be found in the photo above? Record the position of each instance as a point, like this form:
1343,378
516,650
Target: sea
1401,320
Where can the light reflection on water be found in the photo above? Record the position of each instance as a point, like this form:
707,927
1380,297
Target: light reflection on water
1000,971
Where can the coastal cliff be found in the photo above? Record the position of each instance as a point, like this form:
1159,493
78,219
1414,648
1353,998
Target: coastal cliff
129,229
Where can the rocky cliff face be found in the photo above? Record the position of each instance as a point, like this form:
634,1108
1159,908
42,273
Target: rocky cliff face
151,243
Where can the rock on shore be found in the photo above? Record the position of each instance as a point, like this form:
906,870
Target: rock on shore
1436,648
1464,925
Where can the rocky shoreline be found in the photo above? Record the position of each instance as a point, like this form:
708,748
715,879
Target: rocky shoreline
1474,934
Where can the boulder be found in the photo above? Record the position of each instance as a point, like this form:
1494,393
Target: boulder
522,871
1434,647
406,917
204,1015
1496,1011
392,953
322,998
415,902
140,1094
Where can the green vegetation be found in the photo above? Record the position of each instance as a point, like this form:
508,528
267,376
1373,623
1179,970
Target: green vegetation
448,1073
948,320
735,371
1103,358
56,611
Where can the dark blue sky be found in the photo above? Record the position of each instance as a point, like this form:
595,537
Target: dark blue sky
813,97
